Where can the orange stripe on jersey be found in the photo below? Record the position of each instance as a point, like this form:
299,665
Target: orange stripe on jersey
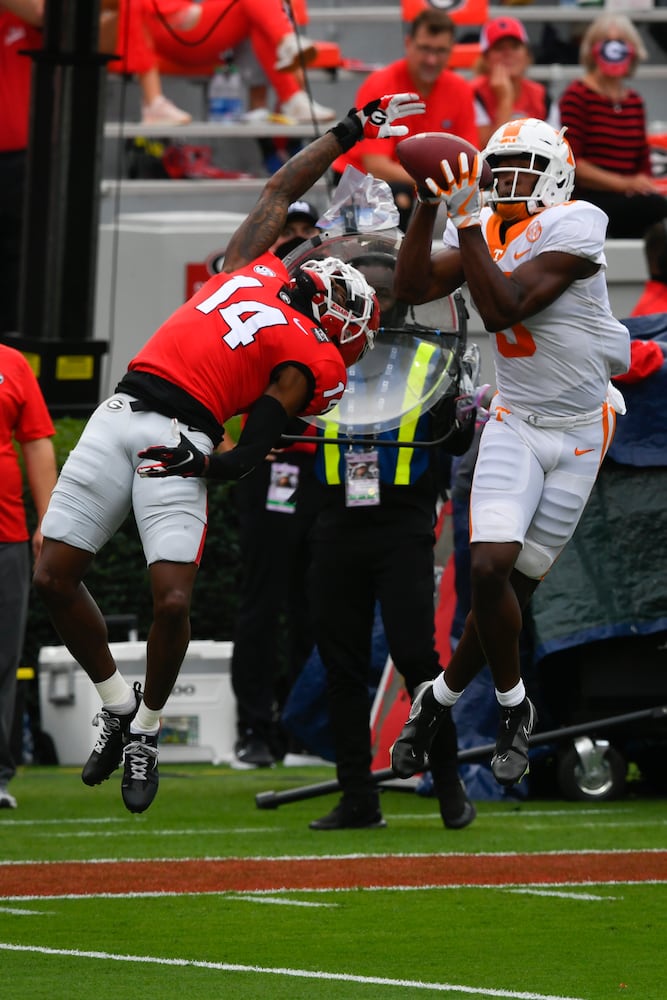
494,242
608,427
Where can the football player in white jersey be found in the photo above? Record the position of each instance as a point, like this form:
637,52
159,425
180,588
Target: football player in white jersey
534,265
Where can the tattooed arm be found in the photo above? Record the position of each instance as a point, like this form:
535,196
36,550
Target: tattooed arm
266,221
261,228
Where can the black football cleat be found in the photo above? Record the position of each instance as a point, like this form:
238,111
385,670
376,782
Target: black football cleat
509,763
456,809
107,753
140,774
409,754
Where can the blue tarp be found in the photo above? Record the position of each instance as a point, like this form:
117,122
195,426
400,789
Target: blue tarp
641,435
611,580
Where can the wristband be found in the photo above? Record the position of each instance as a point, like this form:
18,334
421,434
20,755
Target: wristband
348,131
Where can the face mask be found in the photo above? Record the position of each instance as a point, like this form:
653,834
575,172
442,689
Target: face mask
614,57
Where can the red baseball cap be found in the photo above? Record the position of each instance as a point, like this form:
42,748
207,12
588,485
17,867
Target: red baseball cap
499,28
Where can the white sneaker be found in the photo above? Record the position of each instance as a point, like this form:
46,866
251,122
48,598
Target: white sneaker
303,111
162,111
256,116
293,53
7,801
261,116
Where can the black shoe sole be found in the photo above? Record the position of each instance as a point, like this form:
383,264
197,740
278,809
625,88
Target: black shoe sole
317,824
139,805
465,819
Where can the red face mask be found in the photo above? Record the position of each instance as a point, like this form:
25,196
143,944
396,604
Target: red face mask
614,57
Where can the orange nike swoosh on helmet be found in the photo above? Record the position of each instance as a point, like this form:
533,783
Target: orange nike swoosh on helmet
583,451
518,254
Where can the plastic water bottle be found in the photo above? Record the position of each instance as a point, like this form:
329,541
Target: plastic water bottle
225,100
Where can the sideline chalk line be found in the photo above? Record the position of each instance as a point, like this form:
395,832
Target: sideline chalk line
295,973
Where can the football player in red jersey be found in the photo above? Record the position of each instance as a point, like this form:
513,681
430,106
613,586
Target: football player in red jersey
252,340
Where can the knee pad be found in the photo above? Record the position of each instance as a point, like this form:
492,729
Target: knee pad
534,561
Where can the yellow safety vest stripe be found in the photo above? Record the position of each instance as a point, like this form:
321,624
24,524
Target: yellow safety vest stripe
406,429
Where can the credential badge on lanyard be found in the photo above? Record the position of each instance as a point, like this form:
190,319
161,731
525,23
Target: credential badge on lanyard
362,479
282,487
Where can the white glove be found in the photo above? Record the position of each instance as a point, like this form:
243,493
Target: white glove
462,197
377,117
375,120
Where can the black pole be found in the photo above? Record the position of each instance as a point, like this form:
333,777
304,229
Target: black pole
59,253
271,799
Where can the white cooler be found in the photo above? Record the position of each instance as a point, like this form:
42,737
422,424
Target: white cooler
198,722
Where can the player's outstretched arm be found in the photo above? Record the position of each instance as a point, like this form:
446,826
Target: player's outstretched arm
285,397
379,119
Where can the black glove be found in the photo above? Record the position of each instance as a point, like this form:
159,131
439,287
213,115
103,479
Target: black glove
183,459
375,120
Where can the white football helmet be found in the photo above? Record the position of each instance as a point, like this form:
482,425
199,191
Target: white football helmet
552,162
351,323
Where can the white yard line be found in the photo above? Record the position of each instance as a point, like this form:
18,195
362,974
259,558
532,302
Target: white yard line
334,857
219,831
234,893
290,973
253,897
559,894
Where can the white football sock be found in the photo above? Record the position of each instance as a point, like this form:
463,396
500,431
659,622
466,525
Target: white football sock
116,694
146,720
513,697
444,694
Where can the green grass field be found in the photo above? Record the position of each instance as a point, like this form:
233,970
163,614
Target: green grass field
597,936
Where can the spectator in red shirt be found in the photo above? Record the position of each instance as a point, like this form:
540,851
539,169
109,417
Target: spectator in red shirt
25,419
196,34
606,128
123,30
502,91
448,99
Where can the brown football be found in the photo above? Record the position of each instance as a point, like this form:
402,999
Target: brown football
421,155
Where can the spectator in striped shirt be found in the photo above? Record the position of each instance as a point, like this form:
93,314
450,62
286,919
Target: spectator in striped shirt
606,128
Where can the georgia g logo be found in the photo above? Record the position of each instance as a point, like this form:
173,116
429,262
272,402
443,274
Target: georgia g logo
378,117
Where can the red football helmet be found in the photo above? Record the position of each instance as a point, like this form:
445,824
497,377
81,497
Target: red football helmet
343,304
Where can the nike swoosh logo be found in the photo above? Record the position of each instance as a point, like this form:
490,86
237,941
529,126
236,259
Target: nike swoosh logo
521,253
583,451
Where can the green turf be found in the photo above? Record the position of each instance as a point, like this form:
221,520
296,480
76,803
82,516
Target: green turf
588,942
